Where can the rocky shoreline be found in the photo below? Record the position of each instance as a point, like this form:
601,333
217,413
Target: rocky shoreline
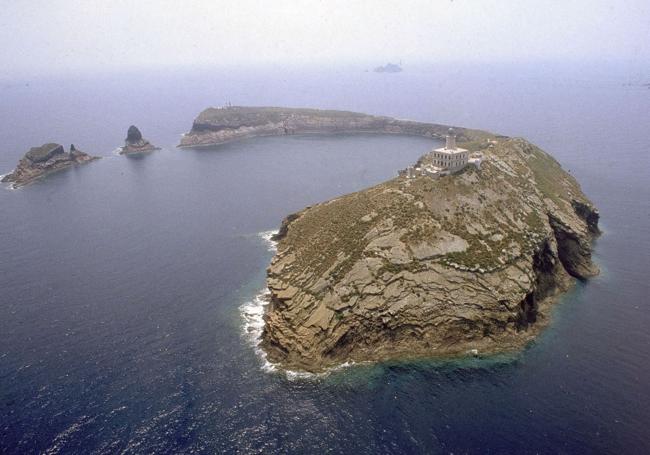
44,160
470,263
215,126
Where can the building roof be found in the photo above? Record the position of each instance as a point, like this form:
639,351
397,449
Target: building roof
449,151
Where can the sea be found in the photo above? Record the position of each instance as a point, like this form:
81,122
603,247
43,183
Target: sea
132,288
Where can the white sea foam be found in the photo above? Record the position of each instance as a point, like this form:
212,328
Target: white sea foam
9,186
267,237
293,375
252,313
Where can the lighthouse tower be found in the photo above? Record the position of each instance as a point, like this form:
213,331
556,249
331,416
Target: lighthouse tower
449,158
450,143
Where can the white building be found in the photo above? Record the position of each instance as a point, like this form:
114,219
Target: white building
475,159
444,160
450,157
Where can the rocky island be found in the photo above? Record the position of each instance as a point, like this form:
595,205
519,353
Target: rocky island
428,264
216,126
43,160
135,143
389,68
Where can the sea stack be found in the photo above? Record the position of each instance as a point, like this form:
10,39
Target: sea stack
458,256
43,160
135,143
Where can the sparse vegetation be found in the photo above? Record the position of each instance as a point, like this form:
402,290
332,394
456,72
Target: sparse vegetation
484,208
412,265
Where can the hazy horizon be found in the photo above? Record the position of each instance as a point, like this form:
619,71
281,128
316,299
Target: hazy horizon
98,36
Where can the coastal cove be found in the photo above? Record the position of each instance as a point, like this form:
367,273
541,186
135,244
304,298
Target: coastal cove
414,267
123,281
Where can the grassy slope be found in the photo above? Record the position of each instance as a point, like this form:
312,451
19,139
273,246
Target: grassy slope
504,198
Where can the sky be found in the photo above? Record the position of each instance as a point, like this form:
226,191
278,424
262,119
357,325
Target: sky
44,36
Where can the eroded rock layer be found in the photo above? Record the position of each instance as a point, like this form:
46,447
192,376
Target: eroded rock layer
430,267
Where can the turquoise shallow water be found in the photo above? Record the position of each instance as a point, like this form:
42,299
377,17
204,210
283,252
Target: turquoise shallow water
122,281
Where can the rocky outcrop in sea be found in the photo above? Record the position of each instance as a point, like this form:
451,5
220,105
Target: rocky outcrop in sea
469,263
389,68
43,160
135,143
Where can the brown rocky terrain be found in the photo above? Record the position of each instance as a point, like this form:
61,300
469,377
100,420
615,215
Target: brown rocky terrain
215,126
467,263
43,160
135,143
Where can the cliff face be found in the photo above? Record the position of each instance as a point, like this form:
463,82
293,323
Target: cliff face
218,125
40,161
135,143
427,267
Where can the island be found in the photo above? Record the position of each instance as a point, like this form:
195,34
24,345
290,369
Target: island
43,160
463,253
389,68
219,125
135,143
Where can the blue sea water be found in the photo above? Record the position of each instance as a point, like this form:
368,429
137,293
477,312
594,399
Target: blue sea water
124,284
